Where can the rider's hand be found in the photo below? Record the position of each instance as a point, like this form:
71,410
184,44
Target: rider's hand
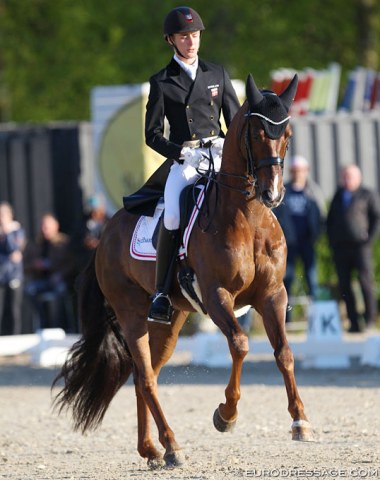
191,156
217,146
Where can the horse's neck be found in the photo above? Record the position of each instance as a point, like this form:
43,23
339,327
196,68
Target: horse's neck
234,160
236,197
234,175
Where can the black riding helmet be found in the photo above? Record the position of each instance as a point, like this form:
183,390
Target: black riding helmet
181,20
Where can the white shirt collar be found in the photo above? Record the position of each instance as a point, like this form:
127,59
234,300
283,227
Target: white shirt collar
191,70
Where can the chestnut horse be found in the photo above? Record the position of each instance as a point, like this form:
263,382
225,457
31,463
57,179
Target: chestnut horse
239,261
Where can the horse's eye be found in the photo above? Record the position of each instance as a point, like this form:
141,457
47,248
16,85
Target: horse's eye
256,136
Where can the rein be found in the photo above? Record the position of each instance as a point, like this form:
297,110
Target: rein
251,178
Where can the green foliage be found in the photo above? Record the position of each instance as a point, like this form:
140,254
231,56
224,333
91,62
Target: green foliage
327,278
376,261
326,269
53,52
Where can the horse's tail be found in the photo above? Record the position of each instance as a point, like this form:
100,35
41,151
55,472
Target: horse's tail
98,364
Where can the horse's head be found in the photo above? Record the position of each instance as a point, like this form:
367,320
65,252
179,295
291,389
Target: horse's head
266,139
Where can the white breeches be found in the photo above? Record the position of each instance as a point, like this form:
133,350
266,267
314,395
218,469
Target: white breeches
180,176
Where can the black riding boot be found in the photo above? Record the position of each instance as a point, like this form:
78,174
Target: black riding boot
167,246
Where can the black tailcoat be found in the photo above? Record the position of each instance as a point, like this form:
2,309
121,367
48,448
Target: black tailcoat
192,108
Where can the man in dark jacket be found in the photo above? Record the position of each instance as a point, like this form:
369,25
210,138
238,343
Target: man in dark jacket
191,95
352,223
301,216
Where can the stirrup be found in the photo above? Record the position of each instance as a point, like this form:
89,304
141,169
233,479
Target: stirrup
161,309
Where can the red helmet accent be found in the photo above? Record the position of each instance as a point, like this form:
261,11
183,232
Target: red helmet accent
181,20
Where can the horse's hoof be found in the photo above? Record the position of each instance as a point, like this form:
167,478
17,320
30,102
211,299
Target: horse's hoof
174,459
222,425
156,463
302,431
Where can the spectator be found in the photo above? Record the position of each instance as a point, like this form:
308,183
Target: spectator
12,240
301,215
49,267
352,223
96,220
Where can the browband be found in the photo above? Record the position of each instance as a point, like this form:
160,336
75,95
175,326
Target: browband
250,114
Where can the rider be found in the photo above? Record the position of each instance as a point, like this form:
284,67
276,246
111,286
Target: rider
191,94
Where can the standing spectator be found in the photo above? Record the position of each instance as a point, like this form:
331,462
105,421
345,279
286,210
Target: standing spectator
12,240
301,216
352,223
49,267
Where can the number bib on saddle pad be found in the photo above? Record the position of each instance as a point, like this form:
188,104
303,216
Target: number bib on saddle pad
142,239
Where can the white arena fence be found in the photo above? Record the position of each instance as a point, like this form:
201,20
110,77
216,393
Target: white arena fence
323,346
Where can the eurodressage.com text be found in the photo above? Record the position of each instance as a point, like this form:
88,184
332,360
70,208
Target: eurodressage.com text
359,472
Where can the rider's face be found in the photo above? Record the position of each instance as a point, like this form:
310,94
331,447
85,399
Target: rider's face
187,44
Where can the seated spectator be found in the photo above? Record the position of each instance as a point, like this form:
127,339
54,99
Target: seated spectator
49,267
301,216
12,240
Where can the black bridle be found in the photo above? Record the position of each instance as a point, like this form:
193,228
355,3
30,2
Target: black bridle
252,168
250,179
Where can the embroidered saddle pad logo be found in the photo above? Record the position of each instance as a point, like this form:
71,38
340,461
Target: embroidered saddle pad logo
142,248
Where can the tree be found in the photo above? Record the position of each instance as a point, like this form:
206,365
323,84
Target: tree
53,53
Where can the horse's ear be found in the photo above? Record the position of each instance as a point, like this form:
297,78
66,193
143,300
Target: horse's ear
287,96
254,95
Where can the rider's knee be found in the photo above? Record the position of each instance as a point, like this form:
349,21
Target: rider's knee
171,222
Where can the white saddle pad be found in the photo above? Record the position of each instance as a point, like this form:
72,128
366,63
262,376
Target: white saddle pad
141,244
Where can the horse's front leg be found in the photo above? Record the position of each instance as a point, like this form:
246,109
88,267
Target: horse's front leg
274,308
220,309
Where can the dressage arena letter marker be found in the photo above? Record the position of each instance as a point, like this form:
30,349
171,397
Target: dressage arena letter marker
324,321
327,324
324,335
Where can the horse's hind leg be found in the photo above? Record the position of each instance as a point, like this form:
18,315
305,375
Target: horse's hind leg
145,445
162,347
137,338
274,322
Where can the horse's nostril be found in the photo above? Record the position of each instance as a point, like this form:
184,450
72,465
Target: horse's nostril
267,195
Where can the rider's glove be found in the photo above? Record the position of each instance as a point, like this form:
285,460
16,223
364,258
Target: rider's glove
191,156
217,146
